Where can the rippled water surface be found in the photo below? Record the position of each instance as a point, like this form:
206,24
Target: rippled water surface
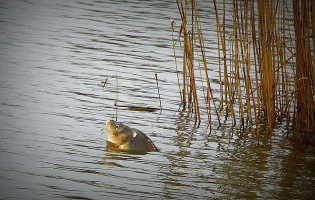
54,56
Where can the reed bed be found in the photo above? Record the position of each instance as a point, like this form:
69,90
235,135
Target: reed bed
265,61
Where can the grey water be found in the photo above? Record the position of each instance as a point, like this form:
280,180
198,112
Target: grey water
53,109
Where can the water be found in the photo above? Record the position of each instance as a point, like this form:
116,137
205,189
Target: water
54,56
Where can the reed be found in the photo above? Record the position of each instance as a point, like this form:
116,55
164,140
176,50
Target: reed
228,94
304,115
174,52
267,64
158,89
189,92
266,71
116,102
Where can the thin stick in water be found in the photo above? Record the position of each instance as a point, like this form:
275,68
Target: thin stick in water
116,94
104,83
157,85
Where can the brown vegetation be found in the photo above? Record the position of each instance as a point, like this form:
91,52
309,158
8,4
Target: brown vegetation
266,70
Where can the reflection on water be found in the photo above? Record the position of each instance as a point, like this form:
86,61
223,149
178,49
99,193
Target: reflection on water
54,56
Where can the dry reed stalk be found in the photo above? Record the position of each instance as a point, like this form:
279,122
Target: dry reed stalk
246,57
105,82
227,89
246,62
219,51
256,102
204,62
266,24
189,83
116,102
158,89
304,79
236,59
174,52
258,72
206,96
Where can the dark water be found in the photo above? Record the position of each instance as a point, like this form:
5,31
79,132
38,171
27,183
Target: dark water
54,56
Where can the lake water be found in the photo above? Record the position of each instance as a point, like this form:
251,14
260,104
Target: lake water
54,56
